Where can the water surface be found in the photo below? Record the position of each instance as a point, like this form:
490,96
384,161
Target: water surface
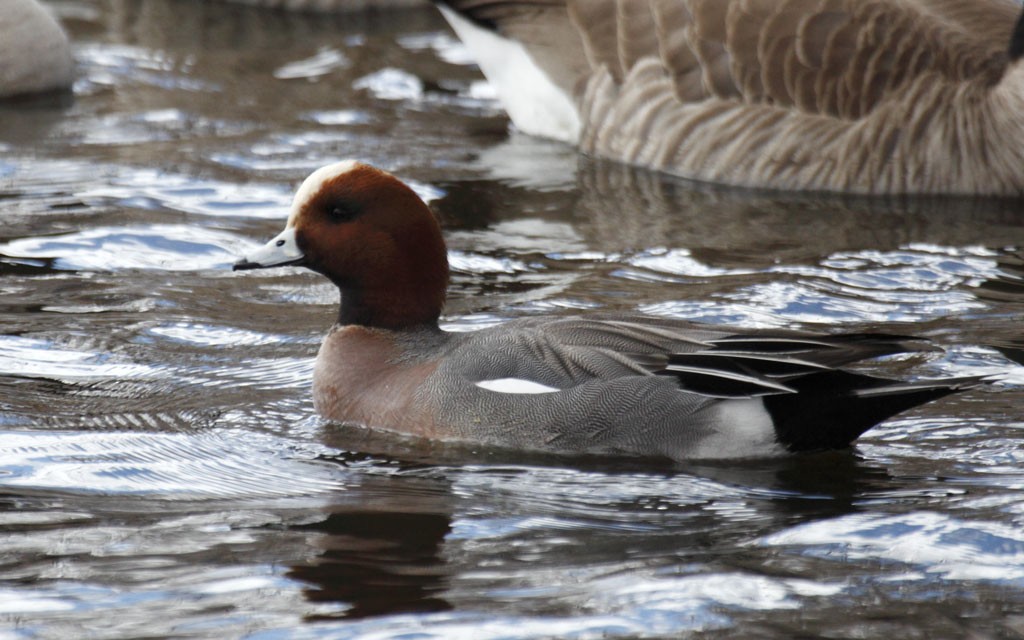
163,473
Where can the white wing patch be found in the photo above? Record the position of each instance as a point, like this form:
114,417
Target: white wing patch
515,385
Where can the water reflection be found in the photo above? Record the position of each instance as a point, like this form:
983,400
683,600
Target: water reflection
732,256
428,544
381,560
615,208
1006,285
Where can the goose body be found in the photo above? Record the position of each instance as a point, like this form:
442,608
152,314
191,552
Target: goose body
857,96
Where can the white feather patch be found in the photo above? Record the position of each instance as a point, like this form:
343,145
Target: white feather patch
746,431
515,385
536,104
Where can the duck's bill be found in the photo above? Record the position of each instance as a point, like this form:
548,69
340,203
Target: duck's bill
281,251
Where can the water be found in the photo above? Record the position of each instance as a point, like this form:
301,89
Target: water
163,474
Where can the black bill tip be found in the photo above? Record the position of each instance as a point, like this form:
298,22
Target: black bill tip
242,264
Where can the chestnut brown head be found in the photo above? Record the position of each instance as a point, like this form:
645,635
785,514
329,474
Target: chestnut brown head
373,237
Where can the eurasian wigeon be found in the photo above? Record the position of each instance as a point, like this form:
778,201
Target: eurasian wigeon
618,384
881,97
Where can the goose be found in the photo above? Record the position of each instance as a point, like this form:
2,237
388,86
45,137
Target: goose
875,97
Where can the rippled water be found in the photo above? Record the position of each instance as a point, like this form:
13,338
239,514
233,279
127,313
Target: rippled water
163,474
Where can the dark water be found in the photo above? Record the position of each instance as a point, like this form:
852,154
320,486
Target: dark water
163,474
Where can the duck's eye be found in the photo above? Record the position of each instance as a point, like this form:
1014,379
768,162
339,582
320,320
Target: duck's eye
342,211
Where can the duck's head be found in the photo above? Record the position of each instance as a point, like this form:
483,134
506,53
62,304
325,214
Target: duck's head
373,237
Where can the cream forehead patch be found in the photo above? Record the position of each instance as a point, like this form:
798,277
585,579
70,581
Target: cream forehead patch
312,184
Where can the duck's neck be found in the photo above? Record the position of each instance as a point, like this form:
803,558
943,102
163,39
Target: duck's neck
395,302
359,307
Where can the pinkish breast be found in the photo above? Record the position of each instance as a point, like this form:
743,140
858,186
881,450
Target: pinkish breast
362,377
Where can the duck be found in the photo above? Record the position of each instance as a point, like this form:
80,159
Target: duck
602,384
882,98
35,54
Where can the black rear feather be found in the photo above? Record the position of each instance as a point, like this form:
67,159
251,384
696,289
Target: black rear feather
832,409
813,404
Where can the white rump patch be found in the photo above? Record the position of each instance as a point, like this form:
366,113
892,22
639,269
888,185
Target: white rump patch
536,104
515,385
745,430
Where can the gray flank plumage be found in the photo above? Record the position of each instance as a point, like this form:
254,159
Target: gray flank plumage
657,387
